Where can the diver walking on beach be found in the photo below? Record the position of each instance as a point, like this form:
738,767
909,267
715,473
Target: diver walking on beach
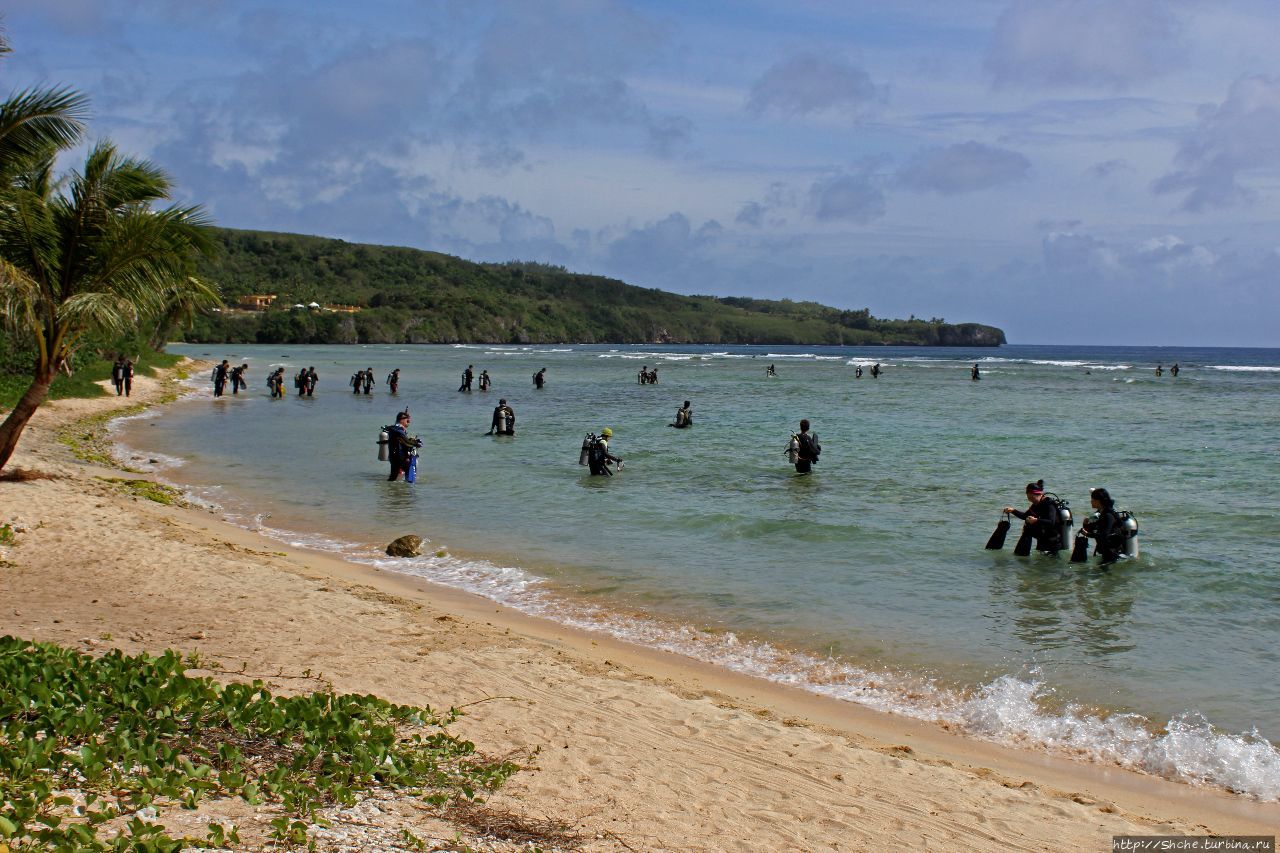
237,378
804,448
117,375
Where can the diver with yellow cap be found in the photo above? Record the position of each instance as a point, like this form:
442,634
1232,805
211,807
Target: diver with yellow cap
595,453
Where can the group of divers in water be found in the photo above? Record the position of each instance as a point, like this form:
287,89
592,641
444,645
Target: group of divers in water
1047,522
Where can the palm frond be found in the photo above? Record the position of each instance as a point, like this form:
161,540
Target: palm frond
33,121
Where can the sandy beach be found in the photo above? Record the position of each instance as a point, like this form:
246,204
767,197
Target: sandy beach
625,748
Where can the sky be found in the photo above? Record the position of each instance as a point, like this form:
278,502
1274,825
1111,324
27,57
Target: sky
1072,171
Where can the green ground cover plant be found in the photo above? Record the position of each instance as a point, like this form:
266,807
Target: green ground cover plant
86,742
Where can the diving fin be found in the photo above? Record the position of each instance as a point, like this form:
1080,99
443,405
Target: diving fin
996,542
1023,548
1080,553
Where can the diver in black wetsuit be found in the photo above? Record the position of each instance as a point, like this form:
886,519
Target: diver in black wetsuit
1106,529
1041,518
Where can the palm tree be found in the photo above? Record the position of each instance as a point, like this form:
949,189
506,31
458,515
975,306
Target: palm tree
89,254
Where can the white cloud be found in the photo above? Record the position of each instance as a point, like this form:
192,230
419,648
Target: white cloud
1057,43
962,168
846,198
1240,134
807,84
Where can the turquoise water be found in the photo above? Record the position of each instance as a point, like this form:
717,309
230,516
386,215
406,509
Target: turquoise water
867,580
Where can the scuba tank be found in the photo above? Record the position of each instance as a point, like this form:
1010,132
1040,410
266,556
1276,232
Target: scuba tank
1129,524
585,454
1065,522
384,438
793,449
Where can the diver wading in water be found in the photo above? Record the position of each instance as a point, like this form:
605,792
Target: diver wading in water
595,453
684,417
804,448
402,451
1115,532
1047,521
504,420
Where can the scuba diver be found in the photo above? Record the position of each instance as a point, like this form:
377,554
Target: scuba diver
1159,370
684,417
875,370
401,448
484,380
540,378
504,420
368,381
642,378
117,375
1174,370
857,372
467,376
393,379
276,383
357,379
311,380
770,371
1044,519
1112,531
595,453
237,378
220,377
974,374
804,448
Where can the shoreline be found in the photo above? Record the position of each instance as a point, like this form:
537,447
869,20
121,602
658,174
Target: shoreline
790,753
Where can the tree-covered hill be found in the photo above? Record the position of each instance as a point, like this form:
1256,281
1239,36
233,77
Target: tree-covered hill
414,296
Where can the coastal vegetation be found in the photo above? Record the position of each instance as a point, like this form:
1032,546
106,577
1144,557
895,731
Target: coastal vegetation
89,744
84,257
319,290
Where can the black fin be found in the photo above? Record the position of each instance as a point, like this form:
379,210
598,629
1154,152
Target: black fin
996,542
1023,548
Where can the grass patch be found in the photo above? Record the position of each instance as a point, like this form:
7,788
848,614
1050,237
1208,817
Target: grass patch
152,491
8,536
84,381
90,440
84,741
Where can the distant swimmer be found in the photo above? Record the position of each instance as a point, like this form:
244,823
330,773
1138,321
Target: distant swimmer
595,453
770,370
1159,370
974,374
1043,521
540,378
1174,370
875,370
804,448
857,373
393,380
504,420
484,380
684,417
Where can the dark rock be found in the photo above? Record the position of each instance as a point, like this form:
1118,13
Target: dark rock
405,546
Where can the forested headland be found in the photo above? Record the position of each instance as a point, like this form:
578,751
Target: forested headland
401,295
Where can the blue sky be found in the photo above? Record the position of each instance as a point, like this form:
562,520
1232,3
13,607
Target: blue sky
1073,171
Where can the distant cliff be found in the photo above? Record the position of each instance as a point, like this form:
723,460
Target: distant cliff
384,294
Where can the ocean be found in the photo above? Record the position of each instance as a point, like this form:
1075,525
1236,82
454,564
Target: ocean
866,580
